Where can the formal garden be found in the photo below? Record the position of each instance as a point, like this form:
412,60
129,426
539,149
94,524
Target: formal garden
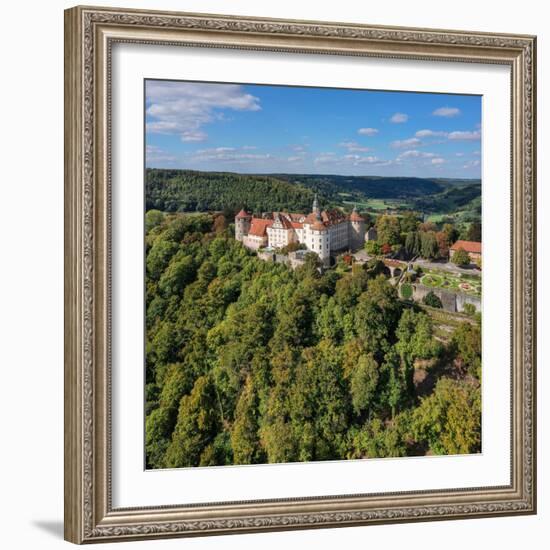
456,282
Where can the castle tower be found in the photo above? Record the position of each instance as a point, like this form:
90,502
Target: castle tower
242,224
321,240
357,229
316,209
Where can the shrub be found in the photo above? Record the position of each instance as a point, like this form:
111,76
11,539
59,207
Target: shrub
373,248
461,257
432,300
406,291
469,309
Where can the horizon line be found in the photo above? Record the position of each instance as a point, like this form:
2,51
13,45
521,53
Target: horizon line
311,174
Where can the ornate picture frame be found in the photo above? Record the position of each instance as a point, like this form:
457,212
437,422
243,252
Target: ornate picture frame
90,34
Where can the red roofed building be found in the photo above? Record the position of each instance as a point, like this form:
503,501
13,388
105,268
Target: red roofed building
257,235
473,248
321,231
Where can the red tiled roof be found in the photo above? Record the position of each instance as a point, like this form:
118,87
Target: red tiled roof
243,214
283,217
297,225
468,246
311,218
318,226
259,226
333,216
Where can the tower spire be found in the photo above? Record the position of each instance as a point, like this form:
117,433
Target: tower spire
315,204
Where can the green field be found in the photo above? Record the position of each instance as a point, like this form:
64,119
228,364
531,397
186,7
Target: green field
378,205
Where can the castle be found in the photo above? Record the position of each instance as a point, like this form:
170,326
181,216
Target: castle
323,231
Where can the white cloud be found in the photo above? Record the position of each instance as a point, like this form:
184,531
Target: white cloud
438,160
214,150
416,154
296,158
406,143
183,108
459,154
472,164
228,154
465,136
446,112
154,154
353,147
358,159
367,131
430,133
349,159
326,158
398,118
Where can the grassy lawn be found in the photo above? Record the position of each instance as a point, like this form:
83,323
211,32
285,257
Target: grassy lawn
380,204
468,284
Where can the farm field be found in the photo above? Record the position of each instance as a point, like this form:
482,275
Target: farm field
378,204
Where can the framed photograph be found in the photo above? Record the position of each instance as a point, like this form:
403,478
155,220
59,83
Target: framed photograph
300,274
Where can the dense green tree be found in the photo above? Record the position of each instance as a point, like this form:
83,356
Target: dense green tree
449,420
196,426
244,433
389,230
159,257
250,362
373,248
428,245
467,347
376,315
177,275
409,222
377,438
413,244
474,232
432,300
153,218
461,258
415,339
364,381
451,233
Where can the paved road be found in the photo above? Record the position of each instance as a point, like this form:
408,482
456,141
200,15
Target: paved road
362,256
449,266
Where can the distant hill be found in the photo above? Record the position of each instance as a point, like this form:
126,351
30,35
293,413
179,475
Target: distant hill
191,191
373,187
451,199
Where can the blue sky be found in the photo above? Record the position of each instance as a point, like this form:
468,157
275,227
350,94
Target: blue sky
261,129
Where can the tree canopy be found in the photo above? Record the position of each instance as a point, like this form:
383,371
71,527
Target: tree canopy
250,362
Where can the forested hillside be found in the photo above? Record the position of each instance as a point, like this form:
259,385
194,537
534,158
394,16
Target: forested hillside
369,186
251,362
192,191
189,191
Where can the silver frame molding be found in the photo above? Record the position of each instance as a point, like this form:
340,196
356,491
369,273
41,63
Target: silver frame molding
89,36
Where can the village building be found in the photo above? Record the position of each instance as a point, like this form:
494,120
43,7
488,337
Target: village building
473,248
322,231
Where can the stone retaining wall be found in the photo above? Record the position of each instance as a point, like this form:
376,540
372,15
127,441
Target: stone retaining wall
452,301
